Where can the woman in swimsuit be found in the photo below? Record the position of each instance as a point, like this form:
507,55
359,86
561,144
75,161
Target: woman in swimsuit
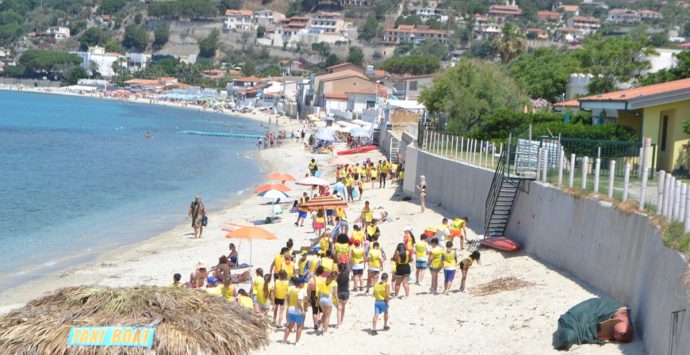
422,192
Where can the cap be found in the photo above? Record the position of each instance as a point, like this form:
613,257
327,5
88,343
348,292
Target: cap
407,228
320,252
357,243
303,252
201,265
212,279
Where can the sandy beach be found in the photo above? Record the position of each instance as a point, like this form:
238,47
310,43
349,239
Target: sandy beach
519,321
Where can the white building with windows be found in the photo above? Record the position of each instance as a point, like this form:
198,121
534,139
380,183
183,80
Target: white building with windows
97,59
239,20
137,61
58,32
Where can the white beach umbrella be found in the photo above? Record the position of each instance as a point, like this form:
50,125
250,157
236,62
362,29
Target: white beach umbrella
273,194
312,180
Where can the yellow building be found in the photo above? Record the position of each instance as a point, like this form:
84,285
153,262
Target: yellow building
655,111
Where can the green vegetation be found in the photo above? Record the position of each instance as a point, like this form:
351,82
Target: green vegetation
412,64
209,45
53,64
674,237
370,29
544,73
135,38
470,91
431,47
355,55
160,36
183,8
680,71
510,45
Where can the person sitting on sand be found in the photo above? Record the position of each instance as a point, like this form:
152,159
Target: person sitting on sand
297,302
232,257
222,270
244,300
228,291
211,286
198,276
465,265
373,231
382,295
176,281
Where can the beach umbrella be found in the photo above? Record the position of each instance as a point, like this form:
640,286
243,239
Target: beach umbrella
281,177
251,233
326,134
340,161
273,194
324,203
360,132
163,320
312,180
266,187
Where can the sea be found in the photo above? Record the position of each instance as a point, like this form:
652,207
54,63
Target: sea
78,176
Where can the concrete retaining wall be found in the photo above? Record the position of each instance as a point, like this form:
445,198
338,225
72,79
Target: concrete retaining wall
620,254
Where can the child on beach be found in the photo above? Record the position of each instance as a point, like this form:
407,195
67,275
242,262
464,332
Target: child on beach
314,284
244,300
382,295
257,283
459,229
297,307
435,263
328,296
367,216
228,290
421,255
402,269
465,265
375,261
302,214
176,281
449,266
327,263
280,290
357,261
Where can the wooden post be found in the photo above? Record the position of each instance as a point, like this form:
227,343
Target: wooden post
571,178
612,177
676,200
626,181
643,188
661,175
545,163
597,169
561,156
585,165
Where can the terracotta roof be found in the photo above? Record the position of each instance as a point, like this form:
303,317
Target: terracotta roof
250,79
683,84
587,19
335,96
569,8
571,103
239,13
340,75
550,15
684,45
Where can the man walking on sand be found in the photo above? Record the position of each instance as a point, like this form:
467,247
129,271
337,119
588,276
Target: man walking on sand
198,212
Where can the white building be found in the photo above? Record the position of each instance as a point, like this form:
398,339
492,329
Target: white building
425,13
263,17
97,59
58,32
239,20
325,23
623,15
137,61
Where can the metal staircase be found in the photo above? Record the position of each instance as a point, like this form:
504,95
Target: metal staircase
393,151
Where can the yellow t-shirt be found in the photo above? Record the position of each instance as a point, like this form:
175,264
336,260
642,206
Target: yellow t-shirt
294,296
341,249
246,302
449,259
313,263
301,266
327,289
258,283
357,255
340,212
420,249
289,269
262,296
324,243
349,181
280,289
228,292
368,216
327,264
278,261
380,291
436,261
375,258
371,230
213,291
385,168
358,235
374,172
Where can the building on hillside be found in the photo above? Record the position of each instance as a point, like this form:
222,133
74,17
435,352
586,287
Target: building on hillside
247,85
425,13
549,16
501,13
214,74
569,10
364,98
568,34
623,15
325,23
263,17
291,26
537,34
485,28
151,84
655,111
587,24
343,67
137,61
595,4
408,87
355,2
413,34
239,20
58,32
650,15
97,60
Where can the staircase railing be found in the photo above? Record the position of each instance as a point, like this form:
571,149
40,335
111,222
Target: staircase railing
495,189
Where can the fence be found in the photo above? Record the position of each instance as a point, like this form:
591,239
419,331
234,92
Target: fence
613,170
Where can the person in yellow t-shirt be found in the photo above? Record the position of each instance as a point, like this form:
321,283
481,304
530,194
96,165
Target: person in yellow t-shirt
435,263
327,263
385,170
357,261
176,281
297,302
375,259
349,186
459,229
421,257
382,295
357,234
465,265
257,283
367,215
244,300
228,290
328,296
280,289
212,287
450,264
374,172
278,262
360,186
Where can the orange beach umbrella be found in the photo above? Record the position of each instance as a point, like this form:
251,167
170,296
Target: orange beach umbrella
251,233
281,177
266,187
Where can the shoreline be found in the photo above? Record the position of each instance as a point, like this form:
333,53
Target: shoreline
15,296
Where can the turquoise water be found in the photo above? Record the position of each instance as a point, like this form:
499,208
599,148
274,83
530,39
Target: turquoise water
78,175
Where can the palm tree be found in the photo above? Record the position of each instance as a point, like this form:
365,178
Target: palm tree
510,44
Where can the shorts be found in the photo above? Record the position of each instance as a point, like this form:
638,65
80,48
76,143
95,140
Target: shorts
448,275
295,318
314,305
374,270
380,307
302,214
344,296
325,301
318,225
402,270
264,306
329,212
279,301
420,264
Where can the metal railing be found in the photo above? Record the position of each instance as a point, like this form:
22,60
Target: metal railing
494,191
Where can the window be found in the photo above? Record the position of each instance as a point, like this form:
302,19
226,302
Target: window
413,85
371,104
664,130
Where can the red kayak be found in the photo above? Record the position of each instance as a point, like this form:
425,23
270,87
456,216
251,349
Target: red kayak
500,243
362,149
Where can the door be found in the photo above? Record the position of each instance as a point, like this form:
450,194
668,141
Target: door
665,145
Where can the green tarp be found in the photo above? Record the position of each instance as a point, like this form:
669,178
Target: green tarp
579,324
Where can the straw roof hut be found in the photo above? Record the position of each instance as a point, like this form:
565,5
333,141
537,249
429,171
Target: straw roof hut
187,321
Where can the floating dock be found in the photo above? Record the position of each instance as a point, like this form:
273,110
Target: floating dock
222,134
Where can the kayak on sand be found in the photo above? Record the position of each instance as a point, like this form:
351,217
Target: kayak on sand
362,149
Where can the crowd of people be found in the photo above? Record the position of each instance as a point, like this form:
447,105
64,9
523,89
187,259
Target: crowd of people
341,260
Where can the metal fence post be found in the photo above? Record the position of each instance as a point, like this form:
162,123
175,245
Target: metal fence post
612,169
626,181
643,188
561,156
660,192
585,166
597,169
571,177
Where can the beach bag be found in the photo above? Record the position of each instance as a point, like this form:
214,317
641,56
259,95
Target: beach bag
317,173
204,221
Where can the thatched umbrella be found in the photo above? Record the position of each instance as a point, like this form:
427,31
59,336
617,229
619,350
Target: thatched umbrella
187,321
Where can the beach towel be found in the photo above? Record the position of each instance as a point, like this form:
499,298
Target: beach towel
579,324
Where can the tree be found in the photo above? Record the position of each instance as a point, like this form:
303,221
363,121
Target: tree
112,45
137,19
249,68
544,73
110,6
323,48
160,36
431,47
482,49
43,62
294,9
271,70
92,37
331,60
135,37
232,4
355,55
209,45
413,20
510,44
471,90
370,28
612,60
260,31
412,64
